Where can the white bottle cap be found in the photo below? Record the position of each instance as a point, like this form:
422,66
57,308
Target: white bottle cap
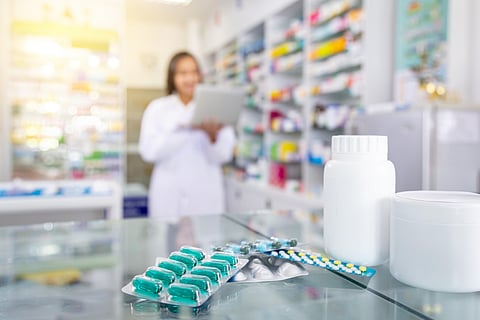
365,147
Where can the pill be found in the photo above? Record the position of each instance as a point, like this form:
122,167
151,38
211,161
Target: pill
285,243
164,275
202,282
212,273
196,252
349,265
143,283
239,249
230,258
363,269
188,260
184,292
221,265
301,254
245,249
275,244
293,242
179,268
337,262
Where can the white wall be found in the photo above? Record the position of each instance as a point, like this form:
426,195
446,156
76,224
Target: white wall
460,56
378,51
231,17
5,154
149,46
475,70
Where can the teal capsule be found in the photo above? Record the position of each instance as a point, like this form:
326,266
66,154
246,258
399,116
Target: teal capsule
212,273
276,244
238,249
188,260
179,268
286,243
165,275
293,242
196,252
142,283
221,265
184,292
230,258
202,282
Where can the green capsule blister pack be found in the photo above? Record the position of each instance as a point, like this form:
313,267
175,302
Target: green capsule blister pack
188,277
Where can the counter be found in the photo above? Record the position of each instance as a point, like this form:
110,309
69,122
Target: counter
104,255
63,200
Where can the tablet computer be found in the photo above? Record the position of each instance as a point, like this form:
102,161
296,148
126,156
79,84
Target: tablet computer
221,103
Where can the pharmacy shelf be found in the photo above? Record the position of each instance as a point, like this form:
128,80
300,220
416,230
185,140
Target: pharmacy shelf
65,93
251,126
343,54
285,114
320,61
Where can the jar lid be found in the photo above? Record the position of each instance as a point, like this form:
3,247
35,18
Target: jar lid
437,207
359,146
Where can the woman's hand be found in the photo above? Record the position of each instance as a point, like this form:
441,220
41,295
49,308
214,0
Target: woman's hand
211,127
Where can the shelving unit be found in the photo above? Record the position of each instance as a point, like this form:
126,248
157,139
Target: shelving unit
251,126
333,59
229,65
285,119
322,59
346,48
5,161
65,90
209,71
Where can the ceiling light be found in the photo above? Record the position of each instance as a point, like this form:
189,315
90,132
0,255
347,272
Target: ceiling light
173,2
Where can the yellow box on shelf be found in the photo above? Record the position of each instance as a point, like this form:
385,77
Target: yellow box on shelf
82,36
329,48
286,48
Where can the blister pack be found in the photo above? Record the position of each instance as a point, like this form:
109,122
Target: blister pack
259,246
287,249
322,261
262,268
188,277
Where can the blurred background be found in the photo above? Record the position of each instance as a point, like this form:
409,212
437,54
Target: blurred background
76,76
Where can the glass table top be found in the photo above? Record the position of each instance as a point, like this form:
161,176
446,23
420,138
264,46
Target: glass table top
307,227
76,271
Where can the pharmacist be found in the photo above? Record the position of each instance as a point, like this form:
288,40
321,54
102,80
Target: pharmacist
187,176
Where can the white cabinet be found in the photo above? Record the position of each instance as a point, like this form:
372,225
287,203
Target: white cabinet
241,197
251,196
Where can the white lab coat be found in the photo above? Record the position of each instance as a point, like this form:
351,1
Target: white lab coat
187,177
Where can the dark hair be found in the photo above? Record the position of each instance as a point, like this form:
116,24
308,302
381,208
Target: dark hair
172,68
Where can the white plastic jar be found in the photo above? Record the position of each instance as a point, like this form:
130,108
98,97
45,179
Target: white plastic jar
434,240
359,185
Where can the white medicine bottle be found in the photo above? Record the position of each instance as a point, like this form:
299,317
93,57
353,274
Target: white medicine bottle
359,185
